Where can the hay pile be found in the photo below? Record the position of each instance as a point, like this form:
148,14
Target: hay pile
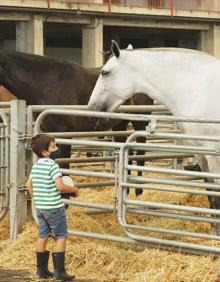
103,261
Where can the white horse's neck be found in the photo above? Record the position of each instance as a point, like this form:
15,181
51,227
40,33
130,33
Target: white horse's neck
165,74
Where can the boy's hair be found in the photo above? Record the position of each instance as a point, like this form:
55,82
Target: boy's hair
40,143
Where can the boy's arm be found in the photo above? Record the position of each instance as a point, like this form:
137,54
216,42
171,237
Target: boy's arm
29,186
63,188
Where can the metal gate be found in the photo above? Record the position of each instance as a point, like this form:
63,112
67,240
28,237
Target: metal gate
4,163
176,181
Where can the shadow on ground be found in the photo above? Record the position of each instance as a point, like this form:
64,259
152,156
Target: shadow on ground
8,275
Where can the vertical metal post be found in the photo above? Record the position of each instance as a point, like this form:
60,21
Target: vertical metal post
4,165
29,154
2,182
17,167
116,181
176,142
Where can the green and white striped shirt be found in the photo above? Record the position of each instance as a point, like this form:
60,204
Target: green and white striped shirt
45,193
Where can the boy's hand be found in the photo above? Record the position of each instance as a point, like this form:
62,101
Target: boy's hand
75,194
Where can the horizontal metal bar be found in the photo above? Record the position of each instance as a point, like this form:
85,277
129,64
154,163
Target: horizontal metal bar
95,184
171,189
124,108
126,240
173,171
115,145
183,136
169,181
172,207
158,213
174,243
173,148
88,204
124,133
85,160
133,117
87,173
5,104
173,232
148,156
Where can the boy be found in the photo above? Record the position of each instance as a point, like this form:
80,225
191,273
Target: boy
45,185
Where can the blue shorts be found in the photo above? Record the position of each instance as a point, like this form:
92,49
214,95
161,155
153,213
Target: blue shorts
52,223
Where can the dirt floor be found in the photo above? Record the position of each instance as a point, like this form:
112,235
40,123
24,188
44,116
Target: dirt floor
7,275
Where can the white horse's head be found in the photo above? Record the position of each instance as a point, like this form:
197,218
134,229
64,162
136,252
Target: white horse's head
115,84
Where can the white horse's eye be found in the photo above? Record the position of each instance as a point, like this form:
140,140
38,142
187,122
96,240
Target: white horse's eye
103,72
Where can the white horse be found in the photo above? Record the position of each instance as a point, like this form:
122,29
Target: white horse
187,82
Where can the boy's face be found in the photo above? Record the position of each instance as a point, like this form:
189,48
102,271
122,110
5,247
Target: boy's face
52,148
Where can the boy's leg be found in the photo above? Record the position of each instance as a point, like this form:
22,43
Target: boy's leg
60,231
41,244
42,255
59,261
42,259
61,244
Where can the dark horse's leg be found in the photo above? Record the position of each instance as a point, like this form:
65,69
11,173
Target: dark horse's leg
141,99
138,99
138,125
123,126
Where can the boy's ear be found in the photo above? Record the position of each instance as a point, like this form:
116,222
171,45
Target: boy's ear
43,153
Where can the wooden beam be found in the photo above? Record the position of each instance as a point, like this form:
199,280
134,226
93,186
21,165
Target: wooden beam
14,16
156,24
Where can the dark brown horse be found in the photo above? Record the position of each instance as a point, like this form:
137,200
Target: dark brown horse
45,81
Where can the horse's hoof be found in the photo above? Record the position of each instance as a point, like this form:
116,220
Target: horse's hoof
138,191
215,230
194,167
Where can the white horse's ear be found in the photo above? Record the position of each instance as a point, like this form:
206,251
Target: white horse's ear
130,47
115,49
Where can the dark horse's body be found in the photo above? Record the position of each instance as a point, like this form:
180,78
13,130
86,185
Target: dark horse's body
45,81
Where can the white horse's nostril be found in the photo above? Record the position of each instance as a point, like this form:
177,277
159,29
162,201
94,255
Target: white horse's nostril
97,107
91,106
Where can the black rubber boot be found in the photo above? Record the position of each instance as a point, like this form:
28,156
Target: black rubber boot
42,265
60,273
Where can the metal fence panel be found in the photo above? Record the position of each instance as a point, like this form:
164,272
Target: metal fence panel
4,164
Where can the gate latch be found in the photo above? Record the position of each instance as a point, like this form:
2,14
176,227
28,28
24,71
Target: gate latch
22,188
152,125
